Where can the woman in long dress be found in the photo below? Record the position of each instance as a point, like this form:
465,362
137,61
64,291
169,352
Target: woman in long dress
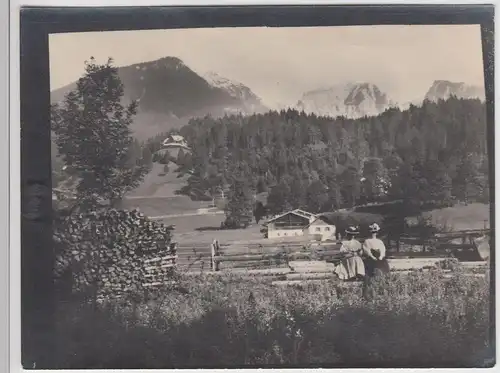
375,253
351,267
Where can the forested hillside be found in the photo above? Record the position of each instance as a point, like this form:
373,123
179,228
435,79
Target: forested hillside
431,153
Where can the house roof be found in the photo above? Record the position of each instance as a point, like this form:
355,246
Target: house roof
323,219
177,138
298,212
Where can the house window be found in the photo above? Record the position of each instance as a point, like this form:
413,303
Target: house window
327,229
318,229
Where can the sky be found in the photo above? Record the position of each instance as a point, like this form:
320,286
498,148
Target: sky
280,64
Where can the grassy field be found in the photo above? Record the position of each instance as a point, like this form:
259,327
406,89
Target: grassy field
220,322
461,217
159,206
157,183
156,197
205,228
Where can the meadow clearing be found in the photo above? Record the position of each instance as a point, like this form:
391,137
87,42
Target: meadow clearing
204,228
157,197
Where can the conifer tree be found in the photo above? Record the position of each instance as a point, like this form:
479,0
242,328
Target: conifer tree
239,209
94,138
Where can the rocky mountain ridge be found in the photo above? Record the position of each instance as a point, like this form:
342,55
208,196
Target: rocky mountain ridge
354,100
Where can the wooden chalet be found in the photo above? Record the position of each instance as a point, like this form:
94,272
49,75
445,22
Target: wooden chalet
289,224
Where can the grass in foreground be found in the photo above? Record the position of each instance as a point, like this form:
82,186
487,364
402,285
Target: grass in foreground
227,322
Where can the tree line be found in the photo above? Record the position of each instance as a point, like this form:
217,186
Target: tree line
430,154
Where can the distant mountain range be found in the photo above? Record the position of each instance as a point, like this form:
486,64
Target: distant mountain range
443,89
170,93
355,100
352,100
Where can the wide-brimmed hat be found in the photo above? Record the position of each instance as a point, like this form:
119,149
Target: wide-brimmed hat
374,228
352,230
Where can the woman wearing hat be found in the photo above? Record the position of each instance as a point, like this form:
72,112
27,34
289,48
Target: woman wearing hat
374,250
352,266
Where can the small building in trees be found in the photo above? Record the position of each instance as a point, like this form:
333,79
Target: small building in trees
321,228
289,224
175,141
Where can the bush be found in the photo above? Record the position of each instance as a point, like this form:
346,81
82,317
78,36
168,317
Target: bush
417,320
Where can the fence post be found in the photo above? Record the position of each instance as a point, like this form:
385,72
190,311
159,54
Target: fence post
173,251
214,248
217,253
212,256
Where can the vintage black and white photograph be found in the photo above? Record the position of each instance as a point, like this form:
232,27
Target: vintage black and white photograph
271,197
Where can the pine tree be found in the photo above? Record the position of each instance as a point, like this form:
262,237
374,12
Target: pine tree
181,155
438,183
239,209
259,211
375,176
351,185
317,196
467,183
94,138
278,200
261,185
147,158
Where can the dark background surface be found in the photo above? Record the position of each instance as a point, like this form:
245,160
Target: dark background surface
37,23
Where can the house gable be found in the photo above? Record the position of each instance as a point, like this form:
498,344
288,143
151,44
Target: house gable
290,221
293,216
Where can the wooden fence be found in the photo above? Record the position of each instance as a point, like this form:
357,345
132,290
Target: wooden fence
290,262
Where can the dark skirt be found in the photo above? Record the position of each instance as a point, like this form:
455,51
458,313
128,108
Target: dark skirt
372,267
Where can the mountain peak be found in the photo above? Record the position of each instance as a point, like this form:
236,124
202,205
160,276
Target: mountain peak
166,63
170,61
351,100
366,91
216,80
235,89
444,89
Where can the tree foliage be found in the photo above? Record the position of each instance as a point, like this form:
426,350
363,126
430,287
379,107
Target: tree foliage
259,211
323,163
239,209
93,135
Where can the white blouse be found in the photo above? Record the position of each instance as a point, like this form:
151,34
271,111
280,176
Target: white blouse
376,245
351,246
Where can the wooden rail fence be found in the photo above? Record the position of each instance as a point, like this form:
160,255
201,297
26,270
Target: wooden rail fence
290,262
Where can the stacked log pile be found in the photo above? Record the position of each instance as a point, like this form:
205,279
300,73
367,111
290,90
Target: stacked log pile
111,252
